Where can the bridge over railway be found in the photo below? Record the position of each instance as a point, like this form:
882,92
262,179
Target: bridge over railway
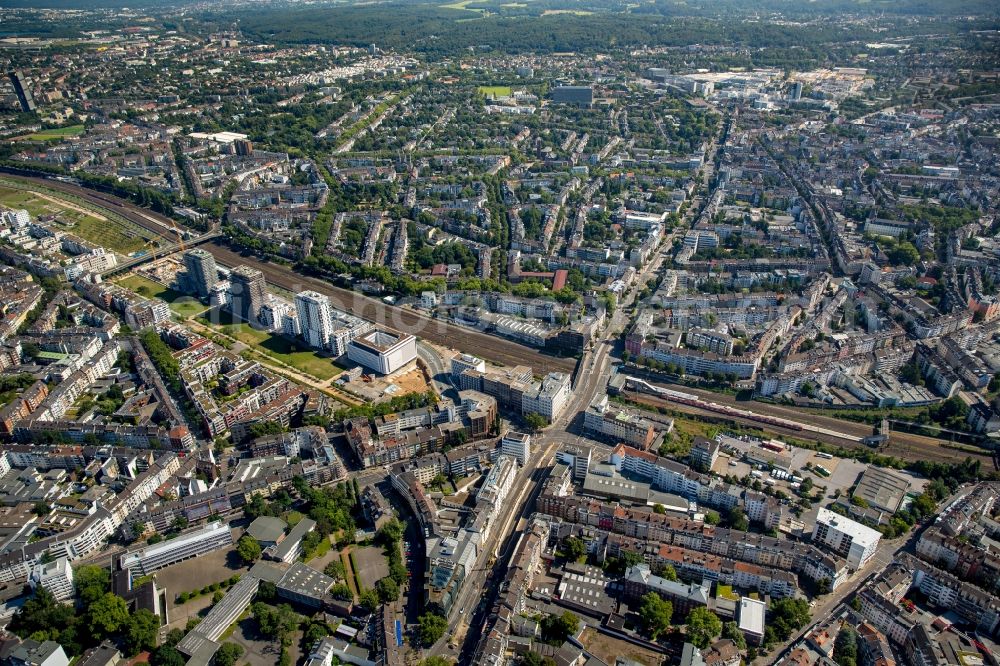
161,252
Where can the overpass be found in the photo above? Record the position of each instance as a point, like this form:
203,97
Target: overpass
163,251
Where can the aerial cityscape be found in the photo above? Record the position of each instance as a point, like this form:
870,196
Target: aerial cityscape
500,333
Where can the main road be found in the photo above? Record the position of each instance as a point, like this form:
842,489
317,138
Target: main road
475,599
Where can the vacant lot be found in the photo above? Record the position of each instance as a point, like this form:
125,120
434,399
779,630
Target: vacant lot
183,305
610,649
280,348
371,565
115,234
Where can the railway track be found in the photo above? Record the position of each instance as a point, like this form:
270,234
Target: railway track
901,445
152,222
495,349
490,347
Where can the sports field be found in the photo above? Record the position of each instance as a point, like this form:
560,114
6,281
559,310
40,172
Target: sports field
56,134
494,91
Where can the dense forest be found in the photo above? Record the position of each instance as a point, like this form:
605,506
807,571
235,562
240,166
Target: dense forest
436,30
717,8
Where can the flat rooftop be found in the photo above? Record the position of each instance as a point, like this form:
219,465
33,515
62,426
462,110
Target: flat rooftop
752,615
860,534
306,581
882,489
267,528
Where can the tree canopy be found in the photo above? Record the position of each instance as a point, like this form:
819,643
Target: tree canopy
248,549
431,628
703,626
655,613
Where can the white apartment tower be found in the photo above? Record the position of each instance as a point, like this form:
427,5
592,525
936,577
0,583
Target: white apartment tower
55,576
315,318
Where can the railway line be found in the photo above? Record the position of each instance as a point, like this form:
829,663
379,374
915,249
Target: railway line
901,445
492,348
153,222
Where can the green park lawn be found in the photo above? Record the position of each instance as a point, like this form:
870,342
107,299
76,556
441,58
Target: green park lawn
278,347
181,304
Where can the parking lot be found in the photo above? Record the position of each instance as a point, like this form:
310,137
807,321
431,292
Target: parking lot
371,564
844,472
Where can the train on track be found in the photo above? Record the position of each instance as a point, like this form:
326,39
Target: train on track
691,400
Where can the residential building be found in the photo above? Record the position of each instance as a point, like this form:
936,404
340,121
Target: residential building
105,654
314,316
248,291
685,597
33,653
56,577
202,273
704,453
873,647
849,539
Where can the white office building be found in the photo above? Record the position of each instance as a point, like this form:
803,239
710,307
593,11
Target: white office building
463,362
853,541
315,318
382,351
498,482
56,577
549,397
517,445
